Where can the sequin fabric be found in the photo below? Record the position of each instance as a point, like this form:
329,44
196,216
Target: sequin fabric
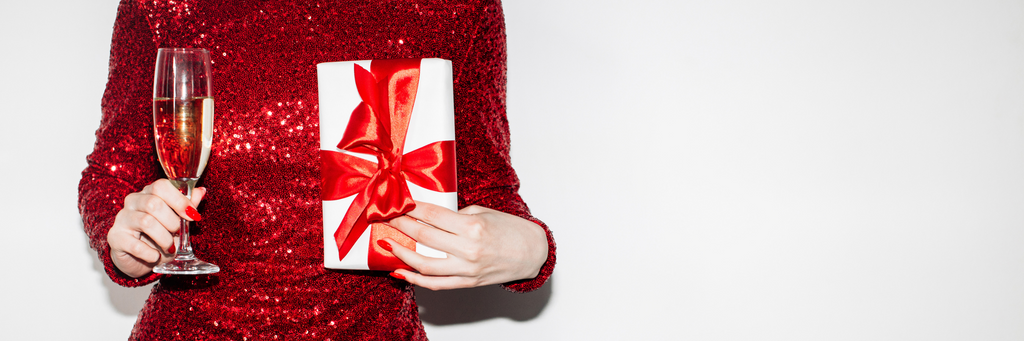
262,216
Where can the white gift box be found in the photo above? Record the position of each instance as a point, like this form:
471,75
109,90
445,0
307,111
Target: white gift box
432,120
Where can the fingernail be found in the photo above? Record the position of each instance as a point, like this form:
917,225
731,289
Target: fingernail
192,213
397,275
384,245
170,249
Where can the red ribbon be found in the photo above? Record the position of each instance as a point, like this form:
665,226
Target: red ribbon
378,127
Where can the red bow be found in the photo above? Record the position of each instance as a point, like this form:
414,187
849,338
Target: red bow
378,127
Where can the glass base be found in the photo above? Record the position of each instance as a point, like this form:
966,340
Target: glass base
191,266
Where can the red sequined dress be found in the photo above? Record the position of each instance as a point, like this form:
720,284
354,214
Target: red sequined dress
262,216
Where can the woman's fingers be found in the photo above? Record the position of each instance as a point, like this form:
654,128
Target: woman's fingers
443,229
484,247
135,247
135,223
176,201
425,234
137,257
144,250
197,195
142,234
434,282
426,265
150,214
151,210
166,252
150,229
441,217
165,204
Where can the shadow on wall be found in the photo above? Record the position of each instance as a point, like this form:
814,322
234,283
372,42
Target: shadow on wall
477,304
126,301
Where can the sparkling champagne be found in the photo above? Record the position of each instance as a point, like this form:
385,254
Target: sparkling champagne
184,133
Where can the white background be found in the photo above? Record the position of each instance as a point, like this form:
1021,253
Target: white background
712,170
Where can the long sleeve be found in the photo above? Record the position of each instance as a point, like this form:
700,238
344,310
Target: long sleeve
123,159
486,177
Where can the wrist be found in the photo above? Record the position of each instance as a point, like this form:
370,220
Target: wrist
539,243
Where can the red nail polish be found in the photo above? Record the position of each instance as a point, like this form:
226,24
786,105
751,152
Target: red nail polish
170,249
192,213
384,245
397,275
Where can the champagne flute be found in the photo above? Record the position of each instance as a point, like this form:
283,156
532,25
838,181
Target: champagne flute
183,126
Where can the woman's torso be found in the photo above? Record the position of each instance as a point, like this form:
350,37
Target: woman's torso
262,217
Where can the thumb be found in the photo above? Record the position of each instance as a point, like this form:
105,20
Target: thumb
197,195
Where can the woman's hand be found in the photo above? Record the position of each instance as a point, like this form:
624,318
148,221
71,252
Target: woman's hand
484,247
142,235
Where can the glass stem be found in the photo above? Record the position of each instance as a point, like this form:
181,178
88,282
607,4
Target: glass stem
184,245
